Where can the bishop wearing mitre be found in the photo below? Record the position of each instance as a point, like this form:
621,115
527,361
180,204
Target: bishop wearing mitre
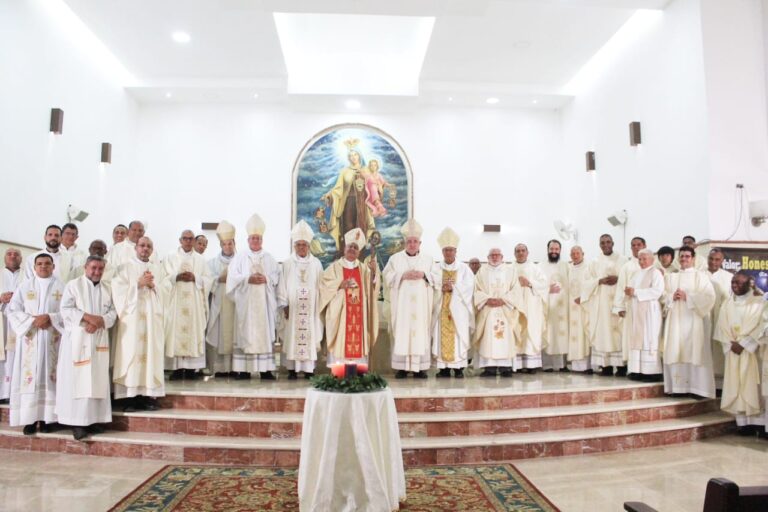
453,316
408,275
252,283
298,295
348,299
220,335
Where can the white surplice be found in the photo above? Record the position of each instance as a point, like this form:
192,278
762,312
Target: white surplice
140,337
411,311
687,353
721,282
461,312
9,281
642,323
33,380
77,260
497,336
302,331
220,335
578,319
82,384
534,306
255,310
556,333
604,326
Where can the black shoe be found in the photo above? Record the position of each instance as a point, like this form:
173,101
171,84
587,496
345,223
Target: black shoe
5,401
636,376
308,375
564,369
30,430
549,370
401,374
654,377
47,428
746,430
507,372
292,375
489,372
79,433
607,371
762,434
621,371
233,374
718,393
192,374
221,375
420,375
458,373
443,373
589,372
177,374
149,403
95,429
242,376
264,375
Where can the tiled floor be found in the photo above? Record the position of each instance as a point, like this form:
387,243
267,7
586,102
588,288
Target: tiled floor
670,478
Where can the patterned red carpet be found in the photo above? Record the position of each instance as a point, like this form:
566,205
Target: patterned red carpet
200,488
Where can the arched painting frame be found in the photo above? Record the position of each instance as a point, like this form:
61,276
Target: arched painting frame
323,174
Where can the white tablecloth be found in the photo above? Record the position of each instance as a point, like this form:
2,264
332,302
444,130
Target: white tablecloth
351,459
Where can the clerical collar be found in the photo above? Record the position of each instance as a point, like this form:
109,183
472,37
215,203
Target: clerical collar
225,257
449,265
11,270
94,283
255,253
141,260
411,255
44,280
349,264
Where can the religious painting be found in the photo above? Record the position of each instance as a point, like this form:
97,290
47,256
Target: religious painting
348,176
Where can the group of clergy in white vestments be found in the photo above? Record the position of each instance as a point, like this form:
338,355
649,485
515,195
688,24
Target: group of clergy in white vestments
78,327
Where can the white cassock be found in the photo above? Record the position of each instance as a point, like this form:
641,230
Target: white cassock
82,381
77,260
578,319
497,337
721,281
556,332
621,302
186,310
33,379
302,331
533,305
642,323
220,335
687,353
743,319
411,310
453,314
9,281
255,310
140,335
604,328
62,261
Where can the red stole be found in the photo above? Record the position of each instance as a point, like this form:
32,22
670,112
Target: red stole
353,340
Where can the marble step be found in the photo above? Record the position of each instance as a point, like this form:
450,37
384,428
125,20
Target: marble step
417,450
431,395
278,425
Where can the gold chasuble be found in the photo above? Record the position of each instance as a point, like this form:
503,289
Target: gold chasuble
447,326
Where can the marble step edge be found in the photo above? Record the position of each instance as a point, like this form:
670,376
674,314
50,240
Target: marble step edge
240,443
423,417
416,391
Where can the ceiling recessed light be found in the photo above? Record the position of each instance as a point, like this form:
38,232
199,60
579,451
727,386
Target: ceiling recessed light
535,102
352,104
181,37
492,101
168,95
450,99
255,95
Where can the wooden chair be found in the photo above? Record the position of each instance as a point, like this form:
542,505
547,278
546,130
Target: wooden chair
722,496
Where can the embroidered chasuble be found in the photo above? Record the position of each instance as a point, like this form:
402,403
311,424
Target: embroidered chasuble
447,325
353,340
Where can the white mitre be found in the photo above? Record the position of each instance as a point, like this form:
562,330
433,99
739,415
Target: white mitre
411,229
225,231
301,232
355,236
255,226
448,238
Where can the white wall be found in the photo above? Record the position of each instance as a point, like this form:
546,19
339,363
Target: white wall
43,66
470,167
658,79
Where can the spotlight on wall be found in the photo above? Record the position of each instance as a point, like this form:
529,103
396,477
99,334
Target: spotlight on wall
590,161
619,218
635,139
57,120
491,228
758,211
106,153
75,214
